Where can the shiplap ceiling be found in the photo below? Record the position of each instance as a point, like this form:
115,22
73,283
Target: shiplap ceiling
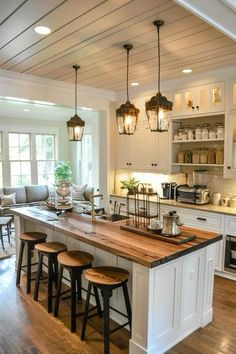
91,33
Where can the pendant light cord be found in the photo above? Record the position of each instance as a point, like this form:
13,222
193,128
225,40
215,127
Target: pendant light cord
159,59
127,75
76,90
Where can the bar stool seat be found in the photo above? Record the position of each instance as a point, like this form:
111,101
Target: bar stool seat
51,247
51,251
107,279
28,239
75,262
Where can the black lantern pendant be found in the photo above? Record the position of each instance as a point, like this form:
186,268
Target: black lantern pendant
158,108
75,125
127,114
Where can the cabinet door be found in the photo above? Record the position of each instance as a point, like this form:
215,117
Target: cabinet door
210,98
231,94
183,101
203,99
230,150
157,151
131,151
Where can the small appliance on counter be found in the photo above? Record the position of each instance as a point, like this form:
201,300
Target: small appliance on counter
168,190
197,194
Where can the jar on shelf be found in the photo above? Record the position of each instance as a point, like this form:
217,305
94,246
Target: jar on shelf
203,156
220,131
180,156
219,156
186,129
205,132
195,156
190,134
188,156
198,132
211,156
212,133
180,134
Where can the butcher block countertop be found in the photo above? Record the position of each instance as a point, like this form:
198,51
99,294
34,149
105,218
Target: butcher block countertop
109,237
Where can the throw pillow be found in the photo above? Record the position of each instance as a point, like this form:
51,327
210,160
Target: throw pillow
78,192
9,199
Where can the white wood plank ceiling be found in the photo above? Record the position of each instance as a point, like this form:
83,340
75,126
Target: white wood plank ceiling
91,33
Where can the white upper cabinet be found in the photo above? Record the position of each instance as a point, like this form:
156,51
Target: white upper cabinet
230,151
205,99
231,94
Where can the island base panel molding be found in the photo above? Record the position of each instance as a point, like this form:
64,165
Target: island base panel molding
171,301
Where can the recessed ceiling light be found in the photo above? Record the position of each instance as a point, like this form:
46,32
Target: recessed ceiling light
134,84
26,110
187,71
42,30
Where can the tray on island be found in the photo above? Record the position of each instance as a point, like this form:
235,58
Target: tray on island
177,240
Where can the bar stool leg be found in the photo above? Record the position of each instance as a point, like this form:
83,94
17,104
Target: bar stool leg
95,290
28,282
56,308
127,304
73,301
8,232
86,312
39,271
79,288
106,318
22,246
55,275
50,280
2,238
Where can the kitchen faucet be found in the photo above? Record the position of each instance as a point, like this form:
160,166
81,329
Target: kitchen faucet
92,197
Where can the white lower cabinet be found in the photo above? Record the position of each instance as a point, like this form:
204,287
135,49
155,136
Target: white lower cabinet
202,220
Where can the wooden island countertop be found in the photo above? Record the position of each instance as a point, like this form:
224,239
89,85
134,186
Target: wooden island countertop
109,237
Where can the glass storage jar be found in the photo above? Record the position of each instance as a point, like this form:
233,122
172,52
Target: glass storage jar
188,156
219,156
198,132
220,131
195,157
212,133
205,132
190,134
203,156
211,156
180,156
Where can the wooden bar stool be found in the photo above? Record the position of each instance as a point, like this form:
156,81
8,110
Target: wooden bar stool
28,239
107,279
51,251
75,262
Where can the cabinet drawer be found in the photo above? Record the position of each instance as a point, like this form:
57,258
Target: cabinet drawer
230,225
199,219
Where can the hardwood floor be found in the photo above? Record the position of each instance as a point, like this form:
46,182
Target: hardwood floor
27,328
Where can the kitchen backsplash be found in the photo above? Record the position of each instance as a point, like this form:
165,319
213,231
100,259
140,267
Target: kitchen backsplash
215,182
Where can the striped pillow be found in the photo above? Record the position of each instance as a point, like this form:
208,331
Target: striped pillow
78,192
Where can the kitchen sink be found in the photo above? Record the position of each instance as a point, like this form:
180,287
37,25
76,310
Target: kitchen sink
113,217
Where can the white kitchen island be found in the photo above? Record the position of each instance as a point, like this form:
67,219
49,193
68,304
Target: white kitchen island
171,286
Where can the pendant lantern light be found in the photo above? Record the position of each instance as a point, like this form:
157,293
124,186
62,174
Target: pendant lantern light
127,114
158,108
75,125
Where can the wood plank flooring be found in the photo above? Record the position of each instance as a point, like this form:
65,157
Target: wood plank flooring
27,328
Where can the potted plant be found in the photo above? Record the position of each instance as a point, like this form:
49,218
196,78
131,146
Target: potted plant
131,184
62,171
63,174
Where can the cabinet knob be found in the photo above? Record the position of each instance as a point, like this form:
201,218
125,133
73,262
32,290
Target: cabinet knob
197,107
193,108
155,164
152,164
229,167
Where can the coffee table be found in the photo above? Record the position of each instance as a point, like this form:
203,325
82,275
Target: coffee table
5,221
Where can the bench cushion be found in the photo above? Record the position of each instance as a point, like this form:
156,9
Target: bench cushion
20,193
36,193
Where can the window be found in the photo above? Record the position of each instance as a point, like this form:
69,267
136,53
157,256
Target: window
45,156
19,156
1,158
